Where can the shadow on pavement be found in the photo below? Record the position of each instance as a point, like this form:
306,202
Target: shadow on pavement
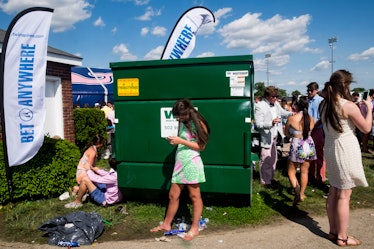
294,214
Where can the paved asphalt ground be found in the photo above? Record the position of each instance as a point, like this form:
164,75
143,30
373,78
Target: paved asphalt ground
304,233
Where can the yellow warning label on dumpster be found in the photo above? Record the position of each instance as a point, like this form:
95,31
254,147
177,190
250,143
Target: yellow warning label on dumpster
128,87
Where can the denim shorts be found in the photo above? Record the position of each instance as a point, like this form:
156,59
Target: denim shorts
98,195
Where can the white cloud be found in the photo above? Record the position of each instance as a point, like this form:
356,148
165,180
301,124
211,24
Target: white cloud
149,13
114,30
206,54
276,35
99,22
291,83
136,2
274,61
66,12
141,2
159,31
222,13
144,31
279,60
321,66
124,53
154,54
366,55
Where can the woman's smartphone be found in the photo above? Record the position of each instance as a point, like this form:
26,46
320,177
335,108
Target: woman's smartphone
365,96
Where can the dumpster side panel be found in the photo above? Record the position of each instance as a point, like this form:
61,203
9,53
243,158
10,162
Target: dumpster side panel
139,131
219,87
219,179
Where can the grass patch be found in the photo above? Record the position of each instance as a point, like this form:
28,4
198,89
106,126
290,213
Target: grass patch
22,220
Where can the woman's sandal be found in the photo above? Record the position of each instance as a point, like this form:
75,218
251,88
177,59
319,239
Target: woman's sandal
345,241
157,229
189,236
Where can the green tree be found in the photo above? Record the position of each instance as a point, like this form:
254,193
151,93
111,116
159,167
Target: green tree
282,92
87,123
296,93
260,89
358,89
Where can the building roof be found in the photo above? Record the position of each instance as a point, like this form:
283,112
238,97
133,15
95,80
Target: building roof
53,54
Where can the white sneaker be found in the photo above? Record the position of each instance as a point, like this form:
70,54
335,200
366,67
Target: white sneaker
64,196
84,197
106,154
73,205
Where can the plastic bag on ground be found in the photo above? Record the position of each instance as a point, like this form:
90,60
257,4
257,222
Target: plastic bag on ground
81,227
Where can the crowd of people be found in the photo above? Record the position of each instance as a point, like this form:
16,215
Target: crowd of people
328,130
318,126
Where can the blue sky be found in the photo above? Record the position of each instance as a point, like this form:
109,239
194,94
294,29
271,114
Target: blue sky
294,32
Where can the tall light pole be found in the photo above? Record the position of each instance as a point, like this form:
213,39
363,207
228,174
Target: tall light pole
267,56
331,41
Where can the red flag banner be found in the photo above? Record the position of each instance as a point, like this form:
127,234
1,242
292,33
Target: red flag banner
23,65
182,39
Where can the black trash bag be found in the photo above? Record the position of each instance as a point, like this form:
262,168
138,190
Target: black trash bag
79,227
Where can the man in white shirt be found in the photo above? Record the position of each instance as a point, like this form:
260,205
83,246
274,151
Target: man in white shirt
268,118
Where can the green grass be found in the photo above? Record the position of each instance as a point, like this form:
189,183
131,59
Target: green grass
21,221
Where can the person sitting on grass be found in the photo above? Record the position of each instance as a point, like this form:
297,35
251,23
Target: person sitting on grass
101,185
87,160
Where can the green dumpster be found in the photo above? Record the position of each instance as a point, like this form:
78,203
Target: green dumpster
222,90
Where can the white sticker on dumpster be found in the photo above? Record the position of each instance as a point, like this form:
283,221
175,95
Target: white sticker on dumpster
169,125
237,82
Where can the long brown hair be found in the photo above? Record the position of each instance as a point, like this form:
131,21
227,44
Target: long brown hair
185,106
98,139
338,86
302,105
